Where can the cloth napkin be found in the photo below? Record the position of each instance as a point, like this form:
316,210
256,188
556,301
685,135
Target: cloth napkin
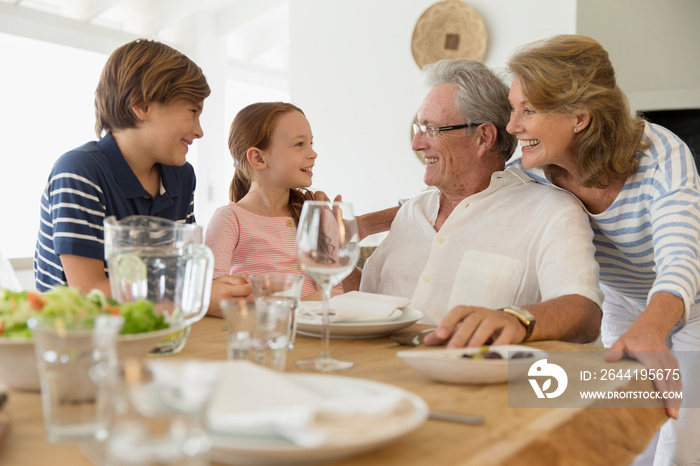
252,400
356,306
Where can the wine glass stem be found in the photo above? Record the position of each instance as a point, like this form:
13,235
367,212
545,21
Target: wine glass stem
325,340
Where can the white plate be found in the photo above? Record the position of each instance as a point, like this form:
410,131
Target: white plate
251,450
363,329
448,365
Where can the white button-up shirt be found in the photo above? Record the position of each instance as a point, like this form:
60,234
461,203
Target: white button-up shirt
515,243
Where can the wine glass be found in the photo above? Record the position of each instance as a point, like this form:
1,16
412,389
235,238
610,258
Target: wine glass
327,250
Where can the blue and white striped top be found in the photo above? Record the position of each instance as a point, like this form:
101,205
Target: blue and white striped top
88,184
648,240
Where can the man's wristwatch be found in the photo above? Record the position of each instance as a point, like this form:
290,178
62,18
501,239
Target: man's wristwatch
525,318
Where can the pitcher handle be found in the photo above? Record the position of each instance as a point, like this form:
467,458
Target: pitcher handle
203,259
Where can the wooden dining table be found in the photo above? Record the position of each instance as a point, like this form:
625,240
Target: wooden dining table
590,434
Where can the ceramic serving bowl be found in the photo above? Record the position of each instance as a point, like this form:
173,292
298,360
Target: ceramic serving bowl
18,363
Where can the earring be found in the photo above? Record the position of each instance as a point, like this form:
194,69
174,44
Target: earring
575,130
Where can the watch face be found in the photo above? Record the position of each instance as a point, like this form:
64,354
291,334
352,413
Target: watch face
524,313
525,318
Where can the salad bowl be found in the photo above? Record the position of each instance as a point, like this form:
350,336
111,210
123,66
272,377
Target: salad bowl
142,332
18,365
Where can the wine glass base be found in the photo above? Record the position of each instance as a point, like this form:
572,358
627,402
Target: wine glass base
324,364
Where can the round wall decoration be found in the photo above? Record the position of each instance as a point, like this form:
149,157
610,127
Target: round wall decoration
448,29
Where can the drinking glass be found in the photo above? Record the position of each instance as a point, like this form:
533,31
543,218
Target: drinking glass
158,412
258,330
74,359
327,250
280,288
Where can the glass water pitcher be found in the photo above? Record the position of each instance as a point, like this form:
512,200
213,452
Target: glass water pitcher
162,261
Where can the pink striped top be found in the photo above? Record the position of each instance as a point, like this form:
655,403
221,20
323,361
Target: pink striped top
244,242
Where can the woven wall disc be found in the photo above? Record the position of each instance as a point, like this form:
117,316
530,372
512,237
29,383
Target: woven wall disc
448,29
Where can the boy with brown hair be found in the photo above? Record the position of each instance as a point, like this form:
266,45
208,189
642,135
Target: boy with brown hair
147,104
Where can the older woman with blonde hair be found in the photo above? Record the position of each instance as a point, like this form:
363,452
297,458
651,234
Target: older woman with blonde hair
639,184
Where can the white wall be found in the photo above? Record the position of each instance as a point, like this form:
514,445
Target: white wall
353,74
652,44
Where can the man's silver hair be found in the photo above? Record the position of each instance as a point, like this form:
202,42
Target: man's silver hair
481,96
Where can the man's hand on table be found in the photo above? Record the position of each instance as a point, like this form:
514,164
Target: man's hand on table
227,287
475,326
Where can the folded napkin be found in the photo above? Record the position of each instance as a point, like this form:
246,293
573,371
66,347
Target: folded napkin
356,306
252,400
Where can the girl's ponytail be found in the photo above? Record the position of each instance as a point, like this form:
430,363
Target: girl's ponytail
240,185
296,202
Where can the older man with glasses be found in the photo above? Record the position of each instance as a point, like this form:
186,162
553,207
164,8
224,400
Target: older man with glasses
509,259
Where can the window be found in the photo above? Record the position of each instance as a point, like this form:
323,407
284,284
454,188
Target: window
48,93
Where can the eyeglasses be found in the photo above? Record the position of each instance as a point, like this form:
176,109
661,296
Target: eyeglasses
432,132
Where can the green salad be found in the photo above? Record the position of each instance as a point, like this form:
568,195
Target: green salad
67,303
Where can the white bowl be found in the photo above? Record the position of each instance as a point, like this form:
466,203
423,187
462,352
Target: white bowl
18,363
450,366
